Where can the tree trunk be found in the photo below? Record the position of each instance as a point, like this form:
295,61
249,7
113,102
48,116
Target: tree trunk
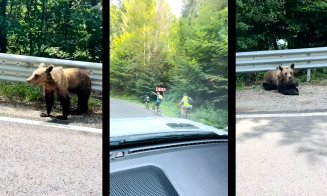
93,36
3,27
67,19
42,37
275,44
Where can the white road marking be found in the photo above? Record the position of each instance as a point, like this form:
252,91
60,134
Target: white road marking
47,124
281,115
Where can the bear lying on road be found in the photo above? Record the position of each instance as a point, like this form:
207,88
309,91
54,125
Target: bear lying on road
281,79
62,81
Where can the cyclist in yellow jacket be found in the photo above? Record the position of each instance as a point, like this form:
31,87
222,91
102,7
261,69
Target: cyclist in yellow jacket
159,100
186,103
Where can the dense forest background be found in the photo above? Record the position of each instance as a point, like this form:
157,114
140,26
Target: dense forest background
52,28
261,24
280,24
150,47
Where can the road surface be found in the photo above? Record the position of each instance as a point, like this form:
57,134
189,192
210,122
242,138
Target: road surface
281,155
41,158
255,99
29,113
124,109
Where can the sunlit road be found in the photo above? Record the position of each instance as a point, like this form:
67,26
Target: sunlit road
124,109
45,160
281,155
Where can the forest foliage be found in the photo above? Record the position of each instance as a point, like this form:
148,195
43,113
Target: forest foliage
52,28
278,24
151,47
261,24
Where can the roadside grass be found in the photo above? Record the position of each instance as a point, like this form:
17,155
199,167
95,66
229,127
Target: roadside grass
318,77
20,92
16,92
130,98
205,114
240,84
170,109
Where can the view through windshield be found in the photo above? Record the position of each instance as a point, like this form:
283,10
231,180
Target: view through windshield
168,59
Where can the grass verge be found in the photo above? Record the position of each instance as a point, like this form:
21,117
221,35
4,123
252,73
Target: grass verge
25,94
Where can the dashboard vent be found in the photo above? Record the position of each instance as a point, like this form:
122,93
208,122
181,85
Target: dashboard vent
138,150
141,181
181,126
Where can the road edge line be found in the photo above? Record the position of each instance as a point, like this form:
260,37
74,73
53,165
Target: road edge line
48,124
280,115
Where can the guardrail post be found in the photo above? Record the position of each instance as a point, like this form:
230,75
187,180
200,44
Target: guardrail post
308,75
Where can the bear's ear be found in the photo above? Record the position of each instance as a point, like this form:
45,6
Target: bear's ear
292,66
280,68
49,69
42,65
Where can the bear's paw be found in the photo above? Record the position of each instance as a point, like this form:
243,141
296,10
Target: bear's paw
43,114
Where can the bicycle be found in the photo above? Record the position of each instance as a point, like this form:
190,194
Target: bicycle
147,106
184,113
146,102
157,109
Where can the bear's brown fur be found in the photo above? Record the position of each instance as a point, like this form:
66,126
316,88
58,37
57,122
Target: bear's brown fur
62,81
281,79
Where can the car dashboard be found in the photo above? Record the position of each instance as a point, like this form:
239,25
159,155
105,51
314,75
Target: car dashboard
185,168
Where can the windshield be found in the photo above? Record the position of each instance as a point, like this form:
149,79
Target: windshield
168,66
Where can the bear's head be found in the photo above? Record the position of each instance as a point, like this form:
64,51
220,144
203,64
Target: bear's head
41,75
286,74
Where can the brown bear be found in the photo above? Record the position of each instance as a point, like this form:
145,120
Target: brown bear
281,79
62,81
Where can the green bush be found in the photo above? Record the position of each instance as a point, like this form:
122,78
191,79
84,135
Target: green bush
20,92
202,112
213,117
240,82
25,93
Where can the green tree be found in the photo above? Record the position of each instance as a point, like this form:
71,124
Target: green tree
58,29
260,24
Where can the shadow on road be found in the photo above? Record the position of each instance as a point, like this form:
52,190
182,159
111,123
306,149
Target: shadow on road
306,134
85,119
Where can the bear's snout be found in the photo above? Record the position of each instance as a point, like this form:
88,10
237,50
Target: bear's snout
29,80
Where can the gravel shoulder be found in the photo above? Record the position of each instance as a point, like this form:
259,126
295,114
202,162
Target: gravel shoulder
49,161
256,100
93,120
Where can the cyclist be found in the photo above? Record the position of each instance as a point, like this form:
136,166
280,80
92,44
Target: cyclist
159,100
186,103
147,100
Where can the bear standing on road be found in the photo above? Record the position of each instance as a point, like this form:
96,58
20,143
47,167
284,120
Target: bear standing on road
62,81
281,79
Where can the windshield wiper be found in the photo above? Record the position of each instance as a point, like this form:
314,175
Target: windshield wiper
155,138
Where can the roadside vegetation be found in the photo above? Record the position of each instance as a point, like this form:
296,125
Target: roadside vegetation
54,28
282,24
203,113
20,93
254,80
152,48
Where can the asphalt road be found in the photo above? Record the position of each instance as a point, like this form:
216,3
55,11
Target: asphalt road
281,156
124,109
46,160
255,99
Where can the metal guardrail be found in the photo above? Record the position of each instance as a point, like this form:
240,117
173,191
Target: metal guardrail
19,67
305,58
